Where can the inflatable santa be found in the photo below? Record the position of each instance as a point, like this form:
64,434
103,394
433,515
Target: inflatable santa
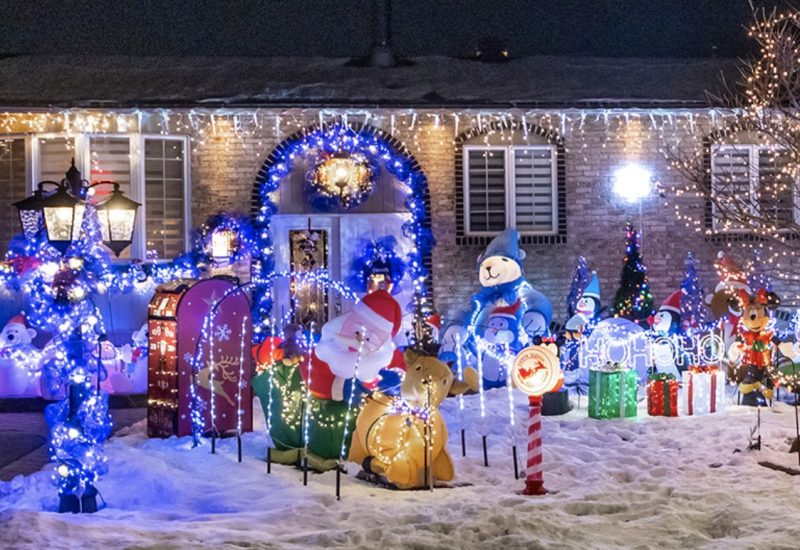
354,348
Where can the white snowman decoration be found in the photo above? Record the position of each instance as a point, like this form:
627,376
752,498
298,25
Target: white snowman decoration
19,360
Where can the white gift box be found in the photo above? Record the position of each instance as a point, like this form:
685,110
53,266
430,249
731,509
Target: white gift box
702,392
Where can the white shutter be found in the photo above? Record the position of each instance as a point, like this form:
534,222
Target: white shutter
775,188
533,189
13,186
110,160
732,174
485,189
164,196
55,156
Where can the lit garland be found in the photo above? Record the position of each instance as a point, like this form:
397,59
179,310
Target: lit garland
378,256
237,225
340,138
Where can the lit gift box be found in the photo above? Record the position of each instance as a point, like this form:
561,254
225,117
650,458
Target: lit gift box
703,391
662,394
612,391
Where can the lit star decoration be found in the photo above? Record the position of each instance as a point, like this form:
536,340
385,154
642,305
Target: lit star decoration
341,138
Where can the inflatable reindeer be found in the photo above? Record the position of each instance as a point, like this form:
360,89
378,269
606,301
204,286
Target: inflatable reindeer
396,438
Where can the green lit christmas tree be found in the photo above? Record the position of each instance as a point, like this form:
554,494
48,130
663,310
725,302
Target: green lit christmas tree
633,299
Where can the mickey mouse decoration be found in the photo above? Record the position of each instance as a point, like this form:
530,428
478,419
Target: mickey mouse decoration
755,343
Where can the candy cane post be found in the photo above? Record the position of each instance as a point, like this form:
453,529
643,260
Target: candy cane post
536,371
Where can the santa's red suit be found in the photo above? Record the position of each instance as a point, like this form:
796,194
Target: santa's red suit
331,367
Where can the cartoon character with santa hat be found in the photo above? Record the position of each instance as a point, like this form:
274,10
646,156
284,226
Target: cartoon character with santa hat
667,320
587,308
665,324
335,367
502,335
19,360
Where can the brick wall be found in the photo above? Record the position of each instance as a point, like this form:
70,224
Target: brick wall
224,164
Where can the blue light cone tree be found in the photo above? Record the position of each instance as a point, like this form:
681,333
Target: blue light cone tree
580,278
694,313
633,300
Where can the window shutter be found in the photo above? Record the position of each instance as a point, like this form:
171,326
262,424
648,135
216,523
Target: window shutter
164,196
775,188
13,186
55,156
486,190
731,179
533,190
110,160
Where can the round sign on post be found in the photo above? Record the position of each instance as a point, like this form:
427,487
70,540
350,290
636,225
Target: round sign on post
536,371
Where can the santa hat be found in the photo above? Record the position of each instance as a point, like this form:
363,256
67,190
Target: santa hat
18,319
592,290
382,310
506,244
731,275
434,320
506,311
672,303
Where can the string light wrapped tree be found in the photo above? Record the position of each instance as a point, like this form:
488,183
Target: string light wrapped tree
760,136
693,308
633,300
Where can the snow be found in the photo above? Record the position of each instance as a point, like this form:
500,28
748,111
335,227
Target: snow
538,81
644,482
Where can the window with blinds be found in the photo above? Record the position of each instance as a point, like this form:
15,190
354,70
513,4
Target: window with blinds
512,186
149,170
756,182
13,184
164,196
55,157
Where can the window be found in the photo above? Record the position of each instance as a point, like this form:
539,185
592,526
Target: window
754,181
152,170
13,184
164,196
510,186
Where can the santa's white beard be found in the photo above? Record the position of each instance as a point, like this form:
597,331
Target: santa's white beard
341,358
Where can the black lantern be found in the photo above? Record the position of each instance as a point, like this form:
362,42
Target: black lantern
62,212
63,215
30,213
117,217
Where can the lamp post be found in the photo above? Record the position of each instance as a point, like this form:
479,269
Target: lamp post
63,208
74,439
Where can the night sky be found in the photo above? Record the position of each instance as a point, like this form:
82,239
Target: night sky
648,28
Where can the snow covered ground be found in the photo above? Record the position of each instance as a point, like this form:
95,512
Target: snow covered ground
645,482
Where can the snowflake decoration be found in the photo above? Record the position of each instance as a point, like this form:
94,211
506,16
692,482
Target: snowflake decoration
222,333
188,357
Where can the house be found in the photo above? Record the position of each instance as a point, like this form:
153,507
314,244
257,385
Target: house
533,143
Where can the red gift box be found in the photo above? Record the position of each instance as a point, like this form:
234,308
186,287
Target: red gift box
662,395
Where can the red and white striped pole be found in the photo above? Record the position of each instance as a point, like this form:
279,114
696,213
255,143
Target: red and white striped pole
534,479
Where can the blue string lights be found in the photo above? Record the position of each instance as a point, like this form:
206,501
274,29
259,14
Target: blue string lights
340,138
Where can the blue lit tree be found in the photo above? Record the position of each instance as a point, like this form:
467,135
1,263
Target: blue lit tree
693,308
580,278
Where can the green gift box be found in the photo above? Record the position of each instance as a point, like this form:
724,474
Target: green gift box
612,393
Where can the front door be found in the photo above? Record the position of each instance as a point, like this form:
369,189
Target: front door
331,243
